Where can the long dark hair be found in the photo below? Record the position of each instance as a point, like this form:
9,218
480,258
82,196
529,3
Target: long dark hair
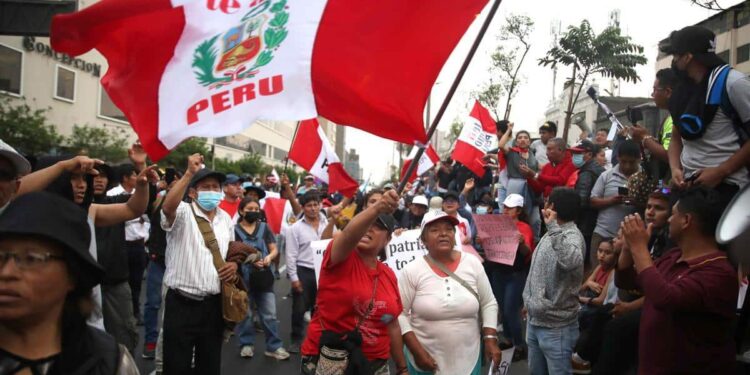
62,186
244,203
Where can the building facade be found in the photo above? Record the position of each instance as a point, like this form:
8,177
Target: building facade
32,72
732,29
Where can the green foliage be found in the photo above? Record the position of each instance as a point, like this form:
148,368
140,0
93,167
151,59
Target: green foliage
109,144
26,129
506,63
177,158
455,130
609,54
251,164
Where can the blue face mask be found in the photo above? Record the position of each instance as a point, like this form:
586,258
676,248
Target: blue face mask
208,200
482,210
578,160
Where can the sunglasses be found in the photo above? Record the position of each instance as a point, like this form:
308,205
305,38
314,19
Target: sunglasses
7,175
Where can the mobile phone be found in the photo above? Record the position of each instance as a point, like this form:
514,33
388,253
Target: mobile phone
622,191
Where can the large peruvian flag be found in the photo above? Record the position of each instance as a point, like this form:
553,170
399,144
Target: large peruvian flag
210,68
475,140
312,151
426,162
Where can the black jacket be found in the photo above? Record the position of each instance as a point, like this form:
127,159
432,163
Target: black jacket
587,176
110,245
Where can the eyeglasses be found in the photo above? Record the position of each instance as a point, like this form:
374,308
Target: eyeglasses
28,260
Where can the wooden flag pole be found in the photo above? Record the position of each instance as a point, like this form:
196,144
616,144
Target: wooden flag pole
451,92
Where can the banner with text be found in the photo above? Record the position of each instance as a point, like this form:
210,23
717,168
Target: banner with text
499,236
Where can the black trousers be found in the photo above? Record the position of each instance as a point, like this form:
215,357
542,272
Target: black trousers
137,260
619,349
302,302
192,325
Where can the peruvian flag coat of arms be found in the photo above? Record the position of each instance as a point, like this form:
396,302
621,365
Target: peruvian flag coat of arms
210,68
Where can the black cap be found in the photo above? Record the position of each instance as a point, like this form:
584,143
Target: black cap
584,146
108,172
549,126
450,194
42,214
387,222
261,193
696,40
205,173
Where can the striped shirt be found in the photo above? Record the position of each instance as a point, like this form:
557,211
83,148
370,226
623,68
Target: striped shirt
298,239
190,266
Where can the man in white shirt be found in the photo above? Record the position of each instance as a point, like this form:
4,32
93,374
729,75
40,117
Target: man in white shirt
193,320
547,131
300,267
601,139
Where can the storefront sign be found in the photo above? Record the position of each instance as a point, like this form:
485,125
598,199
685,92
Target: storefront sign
31,45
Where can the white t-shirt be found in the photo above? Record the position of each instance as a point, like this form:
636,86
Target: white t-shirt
540,152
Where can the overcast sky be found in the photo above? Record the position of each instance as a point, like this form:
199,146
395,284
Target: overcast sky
646,21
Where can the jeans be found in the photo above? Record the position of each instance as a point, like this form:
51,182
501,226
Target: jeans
154,278
266,302
550,349
508,287
303,302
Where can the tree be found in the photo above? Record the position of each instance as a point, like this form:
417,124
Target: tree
506,63
609,54
27,130
177,158
107,144
708,4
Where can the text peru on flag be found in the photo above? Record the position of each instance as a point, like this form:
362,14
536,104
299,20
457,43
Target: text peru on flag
211,68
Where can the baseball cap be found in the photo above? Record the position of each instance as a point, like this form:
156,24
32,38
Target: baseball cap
513,201
309,177
549,126
387,222
436,215
66,225
19,162
420,199
450,194
696,40
584,146
232,178
206,173
388,186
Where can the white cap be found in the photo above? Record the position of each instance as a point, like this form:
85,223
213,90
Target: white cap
513,200
20,163
420,199
434,215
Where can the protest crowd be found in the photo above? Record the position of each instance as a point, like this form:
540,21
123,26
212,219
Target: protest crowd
597,257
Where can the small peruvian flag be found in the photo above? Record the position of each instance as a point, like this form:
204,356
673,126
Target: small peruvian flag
312,151
475,140
210,68
426,162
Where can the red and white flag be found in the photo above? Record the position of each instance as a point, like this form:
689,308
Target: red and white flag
210,68
475,140
312,151
276,212
426,162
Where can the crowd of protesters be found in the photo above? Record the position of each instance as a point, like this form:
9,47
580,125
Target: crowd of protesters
617,268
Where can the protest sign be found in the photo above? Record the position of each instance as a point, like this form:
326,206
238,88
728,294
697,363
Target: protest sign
504,368
401,251
499,236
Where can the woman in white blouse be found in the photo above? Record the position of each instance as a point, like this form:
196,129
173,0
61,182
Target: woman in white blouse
441,318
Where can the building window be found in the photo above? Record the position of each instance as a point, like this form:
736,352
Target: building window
724,55
258,147
743,53
743,17
279,154
65,84
11,63
109,110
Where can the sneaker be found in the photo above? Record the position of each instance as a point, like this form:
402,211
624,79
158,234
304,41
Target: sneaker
580,367
307,317
247,351
149,350
280,354
294,347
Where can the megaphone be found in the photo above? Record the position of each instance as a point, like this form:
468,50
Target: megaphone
734,227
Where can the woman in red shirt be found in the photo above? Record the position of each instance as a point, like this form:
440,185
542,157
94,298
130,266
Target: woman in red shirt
356,292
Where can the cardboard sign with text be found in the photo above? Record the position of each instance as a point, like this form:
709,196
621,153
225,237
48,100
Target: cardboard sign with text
499,236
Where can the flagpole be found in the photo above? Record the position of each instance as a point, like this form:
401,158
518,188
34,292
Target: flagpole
286,162
451,92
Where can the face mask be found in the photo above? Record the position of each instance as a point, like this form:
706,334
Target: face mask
578,160
252,216
482,210
208,200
